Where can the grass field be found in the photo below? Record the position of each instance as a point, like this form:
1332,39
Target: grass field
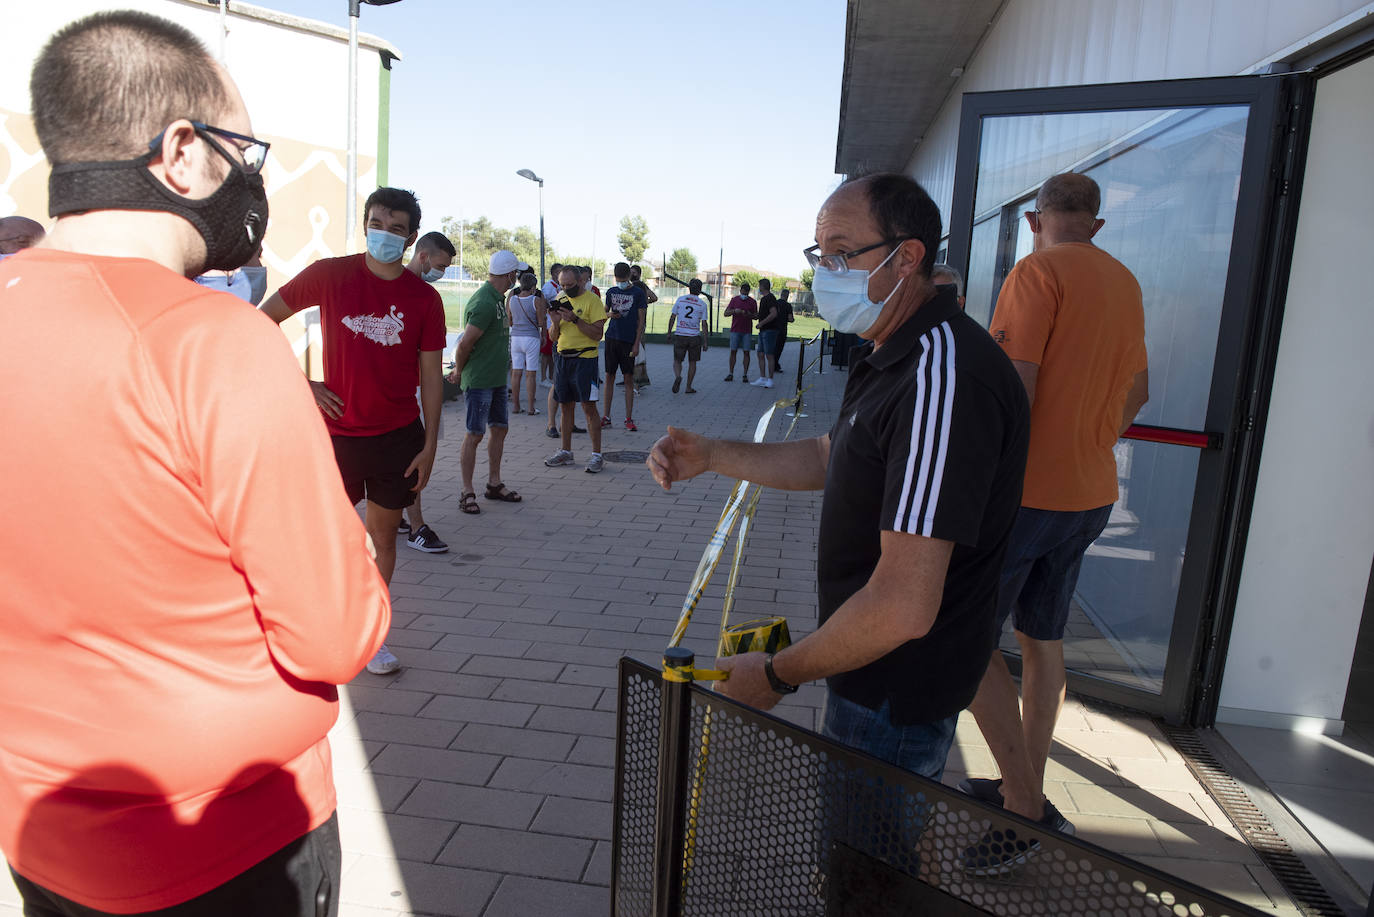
455,298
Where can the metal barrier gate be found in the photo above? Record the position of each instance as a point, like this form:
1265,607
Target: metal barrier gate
723,810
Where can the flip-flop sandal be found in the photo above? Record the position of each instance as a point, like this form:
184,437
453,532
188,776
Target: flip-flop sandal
502,493
468,504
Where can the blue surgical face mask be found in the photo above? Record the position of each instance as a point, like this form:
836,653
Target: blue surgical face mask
624,284
432,275
386,247
235,283
257,282
843,298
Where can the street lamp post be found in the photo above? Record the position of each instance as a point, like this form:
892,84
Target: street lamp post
351,176
526,173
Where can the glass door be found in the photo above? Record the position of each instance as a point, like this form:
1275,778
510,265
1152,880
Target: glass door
1185,170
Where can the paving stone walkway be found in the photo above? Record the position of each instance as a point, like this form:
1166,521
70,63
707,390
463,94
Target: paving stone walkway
478,781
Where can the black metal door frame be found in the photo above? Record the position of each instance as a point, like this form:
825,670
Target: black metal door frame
1265,222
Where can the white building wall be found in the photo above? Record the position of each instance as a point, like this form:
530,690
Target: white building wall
1036,43
1302,589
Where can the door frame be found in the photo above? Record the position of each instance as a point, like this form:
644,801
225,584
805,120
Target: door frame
1264,228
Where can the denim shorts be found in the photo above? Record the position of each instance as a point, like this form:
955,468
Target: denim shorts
768,340
486,406
1040,572
920,748
741,340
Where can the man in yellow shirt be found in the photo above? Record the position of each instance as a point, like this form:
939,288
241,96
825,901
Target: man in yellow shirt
579,317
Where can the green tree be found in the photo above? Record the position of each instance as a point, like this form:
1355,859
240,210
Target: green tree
807,276
634,237
746,276
682,264
480,239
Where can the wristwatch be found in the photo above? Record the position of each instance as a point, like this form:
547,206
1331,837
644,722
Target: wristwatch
776,683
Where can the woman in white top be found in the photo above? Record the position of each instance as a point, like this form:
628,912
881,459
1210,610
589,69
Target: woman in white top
526,313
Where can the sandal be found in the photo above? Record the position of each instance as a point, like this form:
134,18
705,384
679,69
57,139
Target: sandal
502,493
468,504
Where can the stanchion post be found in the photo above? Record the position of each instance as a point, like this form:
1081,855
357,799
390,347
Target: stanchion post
801,364
820,358
674,754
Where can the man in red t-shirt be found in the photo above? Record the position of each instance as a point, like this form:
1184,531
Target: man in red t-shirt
383,327
742,311
169,677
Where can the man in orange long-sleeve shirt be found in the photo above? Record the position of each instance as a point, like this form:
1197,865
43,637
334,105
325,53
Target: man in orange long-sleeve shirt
168,678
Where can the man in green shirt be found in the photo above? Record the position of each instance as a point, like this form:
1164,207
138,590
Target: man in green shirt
482,362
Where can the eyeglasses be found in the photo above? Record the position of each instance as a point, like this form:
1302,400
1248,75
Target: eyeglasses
839,263
253,150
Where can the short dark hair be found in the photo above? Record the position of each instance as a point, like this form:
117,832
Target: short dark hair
437,241
1070,192
622,270
765,284
105,85
555,268
744,287
635,267
694,285
903,210
395,199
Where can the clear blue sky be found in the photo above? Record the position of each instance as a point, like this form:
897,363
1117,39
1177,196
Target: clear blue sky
692,114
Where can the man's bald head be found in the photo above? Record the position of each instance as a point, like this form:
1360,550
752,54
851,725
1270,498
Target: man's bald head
18,233
1070,193
105,85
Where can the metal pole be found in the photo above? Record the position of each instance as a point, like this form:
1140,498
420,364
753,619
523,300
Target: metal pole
542,277
351,169
674,754
462,234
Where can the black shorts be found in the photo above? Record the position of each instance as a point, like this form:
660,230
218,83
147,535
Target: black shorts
686,346
618,358
574,378
374,466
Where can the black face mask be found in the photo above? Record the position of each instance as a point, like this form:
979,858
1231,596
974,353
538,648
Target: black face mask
231,221
573,290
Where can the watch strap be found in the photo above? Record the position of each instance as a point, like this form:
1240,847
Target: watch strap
776,683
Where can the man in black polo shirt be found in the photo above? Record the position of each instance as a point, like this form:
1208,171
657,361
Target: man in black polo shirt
922,476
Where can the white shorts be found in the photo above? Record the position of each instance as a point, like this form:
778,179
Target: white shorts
524,353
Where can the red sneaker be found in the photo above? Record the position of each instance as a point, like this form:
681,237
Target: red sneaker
630,425
605,422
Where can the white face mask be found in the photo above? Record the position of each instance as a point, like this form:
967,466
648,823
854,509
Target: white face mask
843,298
433,274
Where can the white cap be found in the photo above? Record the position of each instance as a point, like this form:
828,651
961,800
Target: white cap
522,267
503,262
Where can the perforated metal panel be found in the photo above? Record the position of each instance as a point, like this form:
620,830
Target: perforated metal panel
632,859
781,821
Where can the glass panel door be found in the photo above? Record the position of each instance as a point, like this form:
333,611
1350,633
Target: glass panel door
1175,163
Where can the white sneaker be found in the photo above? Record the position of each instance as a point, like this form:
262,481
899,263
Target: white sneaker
767,383
384,663
760,381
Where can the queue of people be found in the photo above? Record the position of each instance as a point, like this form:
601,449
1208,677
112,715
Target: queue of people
967,475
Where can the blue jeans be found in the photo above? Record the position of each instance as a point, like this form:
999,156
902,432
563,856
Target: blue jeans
920,748
741,340
864,813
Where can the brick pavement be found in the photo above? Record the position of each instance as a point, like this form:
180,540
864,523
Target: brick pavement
478,781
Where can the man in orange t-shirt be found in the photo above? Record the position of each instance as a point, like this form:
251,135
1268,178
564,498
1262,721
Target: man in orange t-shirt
1070,318
167,679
